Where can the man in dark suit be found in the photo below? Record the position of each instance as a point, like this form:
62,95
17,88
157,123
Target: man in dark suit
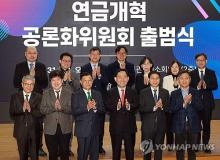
154,101
38,70
71,79
204,80
24,110
100,82
86,106
58,124
122,103
121,63
185,105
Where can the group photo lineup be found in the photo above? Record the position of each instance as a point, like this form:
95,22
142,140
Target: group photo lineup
110,80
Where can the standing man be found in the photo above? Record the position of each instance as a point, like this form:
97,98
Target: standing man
25,110
58,125
87,106
71,79
38,70
100,82
122,103
185,106
121,63
154,101
204,80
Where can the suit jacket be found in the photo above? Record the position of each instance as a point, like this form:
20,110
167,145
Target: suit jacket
87,123
54,117
180,113
24,119
112,69
41,80
99,84
139,82
74,84
151,120
211,84
122,121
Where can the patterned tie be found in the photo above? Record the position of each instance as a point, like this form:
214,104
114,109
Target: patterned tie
155,95
57,94
122,97
202,75
89,97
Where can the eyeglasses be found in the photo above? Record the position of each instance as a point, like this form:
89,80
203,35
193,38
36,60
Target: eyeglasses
28,84
69,61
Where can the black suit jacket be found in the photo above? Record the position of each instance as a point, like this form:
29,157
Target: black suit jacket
139,82
122,121
112,69
21,119
41,80
87,123
151,120
99,84
211,84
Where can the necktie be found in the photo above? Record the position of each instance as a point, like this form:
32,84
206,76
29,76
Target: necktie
26,97
57,94
89,97
31,66
155,95
201,75
94,66
122,97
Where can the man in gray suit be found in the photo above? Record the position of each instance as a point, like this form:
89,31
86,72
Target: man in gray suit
86,106
56,106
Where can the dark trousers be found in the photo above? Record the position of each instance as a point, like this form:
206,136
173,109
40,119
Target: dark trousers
40,133
129,142
169,134
59,140
205,117
157,138
27,143
88,146
182,139
102,127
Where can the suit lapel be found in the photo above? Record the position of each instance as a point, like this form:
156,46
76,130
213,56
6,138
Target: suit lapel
21,97
52,95
32,98
150,94
89,67
26,68
197,74
180,96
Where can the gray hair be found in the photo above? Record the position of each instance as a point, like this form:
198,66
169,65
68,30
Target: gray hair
31,48
28,77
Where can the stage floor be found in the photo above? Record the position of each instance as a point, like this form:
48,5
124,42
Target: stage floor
8,147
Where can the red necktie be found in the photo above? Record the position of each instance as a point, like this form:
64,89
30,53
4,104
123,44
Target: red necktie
122,97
